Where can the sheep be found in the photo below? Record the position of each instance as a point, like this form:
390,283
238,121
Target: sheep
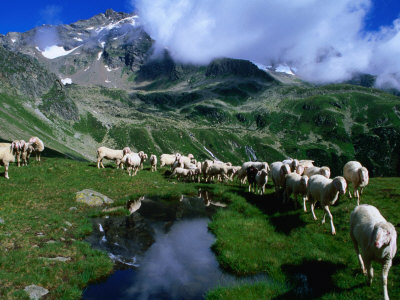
355,173
17,148
37,145
306,163
153,162
293,163
143,158
205,166
261,180
377,240
242,173
310,171
167,159
26,153
326,191
111,154
296,184
181,172
232,170
217,169
185,160
7,155
251,173
278,172
132,161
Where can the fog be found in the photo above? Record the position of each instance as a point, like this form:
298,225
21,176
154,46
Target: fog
324,41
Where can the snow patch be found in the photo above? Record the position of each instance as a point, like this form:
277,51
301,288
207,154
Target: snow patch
284,69
99,55
110,69
90,28
66,81
86,69
55,51
79,33
102,44
107,81
13,40
129,20
78,39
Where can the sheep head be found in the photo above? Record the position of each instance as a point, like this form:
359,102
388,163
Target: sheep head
300,170
190,156
363,175
325,171
384,234
295,164
340,184
304,181
126,150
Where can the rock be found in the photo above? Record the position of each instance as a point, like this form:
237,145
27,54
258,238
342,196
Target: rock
73,208
58,258
68,223
1,221
35,291
51,242
92,198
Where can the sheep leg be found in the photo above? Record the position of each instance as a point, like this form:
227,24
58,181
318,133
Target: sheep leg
6,171
312,210
370,270
357,194
326,208
349,194
304,203
360,260
385,271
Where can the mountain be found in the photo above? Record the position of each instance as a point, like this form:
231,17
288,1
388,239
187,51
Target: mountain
97,82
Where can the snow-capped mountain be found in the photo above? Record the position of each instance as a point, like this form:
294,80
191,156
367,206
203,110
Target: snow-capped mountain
102,50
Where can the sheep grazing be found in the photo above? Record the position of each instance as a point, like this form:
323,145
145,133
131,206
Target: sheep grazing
326,191
153,162
26,153
261,180
377,240
132,162
37,146
219,170
293,163
167,159
324,171
7,155
111,154
181,173
296,184
143,158
355,173
278,172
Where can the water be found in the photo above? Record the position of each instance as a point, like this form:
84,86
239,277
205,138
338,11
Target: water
167,247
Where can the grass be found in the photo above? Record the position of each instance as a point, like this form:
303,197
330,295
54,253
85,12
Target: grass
255,234
258,235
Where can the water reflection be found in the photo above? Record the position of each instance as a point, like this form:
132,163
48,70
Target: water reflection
167,246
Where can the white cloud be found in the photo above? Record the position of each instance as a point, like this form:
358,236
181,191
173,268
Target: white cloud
323,40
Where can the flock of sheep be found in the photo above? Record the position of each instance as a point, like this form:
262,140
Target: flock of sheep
19,150
369,231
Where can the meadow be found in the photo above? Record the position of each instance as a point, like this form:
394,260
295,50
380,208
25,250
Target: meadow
254,234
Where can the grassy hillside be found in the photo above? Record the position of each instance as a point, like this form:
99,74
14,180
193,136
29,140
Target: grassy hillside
255,234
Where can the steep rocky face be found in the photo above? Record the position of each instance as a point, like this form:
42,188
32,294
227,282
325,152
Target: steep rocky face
23,74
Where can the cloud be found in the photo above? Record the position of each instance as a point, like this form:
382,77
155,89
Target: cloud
324,40
51,15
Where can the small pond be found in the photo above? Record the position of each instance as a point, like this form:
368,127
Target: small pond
162,251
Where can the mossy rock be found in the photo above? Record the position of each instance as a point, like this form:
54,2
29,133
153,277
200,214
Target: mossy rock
92,198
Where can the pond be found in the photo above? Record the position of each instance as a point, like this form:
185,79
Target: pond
162,251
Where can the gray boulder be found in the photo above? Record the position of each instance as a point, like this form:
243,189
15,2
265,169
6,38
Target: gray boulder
92,198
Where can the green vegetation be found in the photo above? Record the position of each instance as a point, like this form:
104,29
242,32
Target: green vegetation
255,234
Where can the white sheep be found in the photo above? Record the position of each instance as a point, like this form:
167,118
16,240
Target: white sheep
324,171
306,163
377,240
132,162
181,173
26,153
37,145
7,155
204,168
167,159
153,162
278,173
326,191
296,184
185,160
17,149
143,158
219,170
261,180
241,173
293,163
355,173
111,154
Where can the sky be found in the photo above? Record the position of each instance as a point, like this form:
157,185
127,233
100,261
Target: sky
322,40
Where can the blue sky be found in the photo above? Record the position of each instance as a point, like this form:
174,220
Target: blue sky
21,16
